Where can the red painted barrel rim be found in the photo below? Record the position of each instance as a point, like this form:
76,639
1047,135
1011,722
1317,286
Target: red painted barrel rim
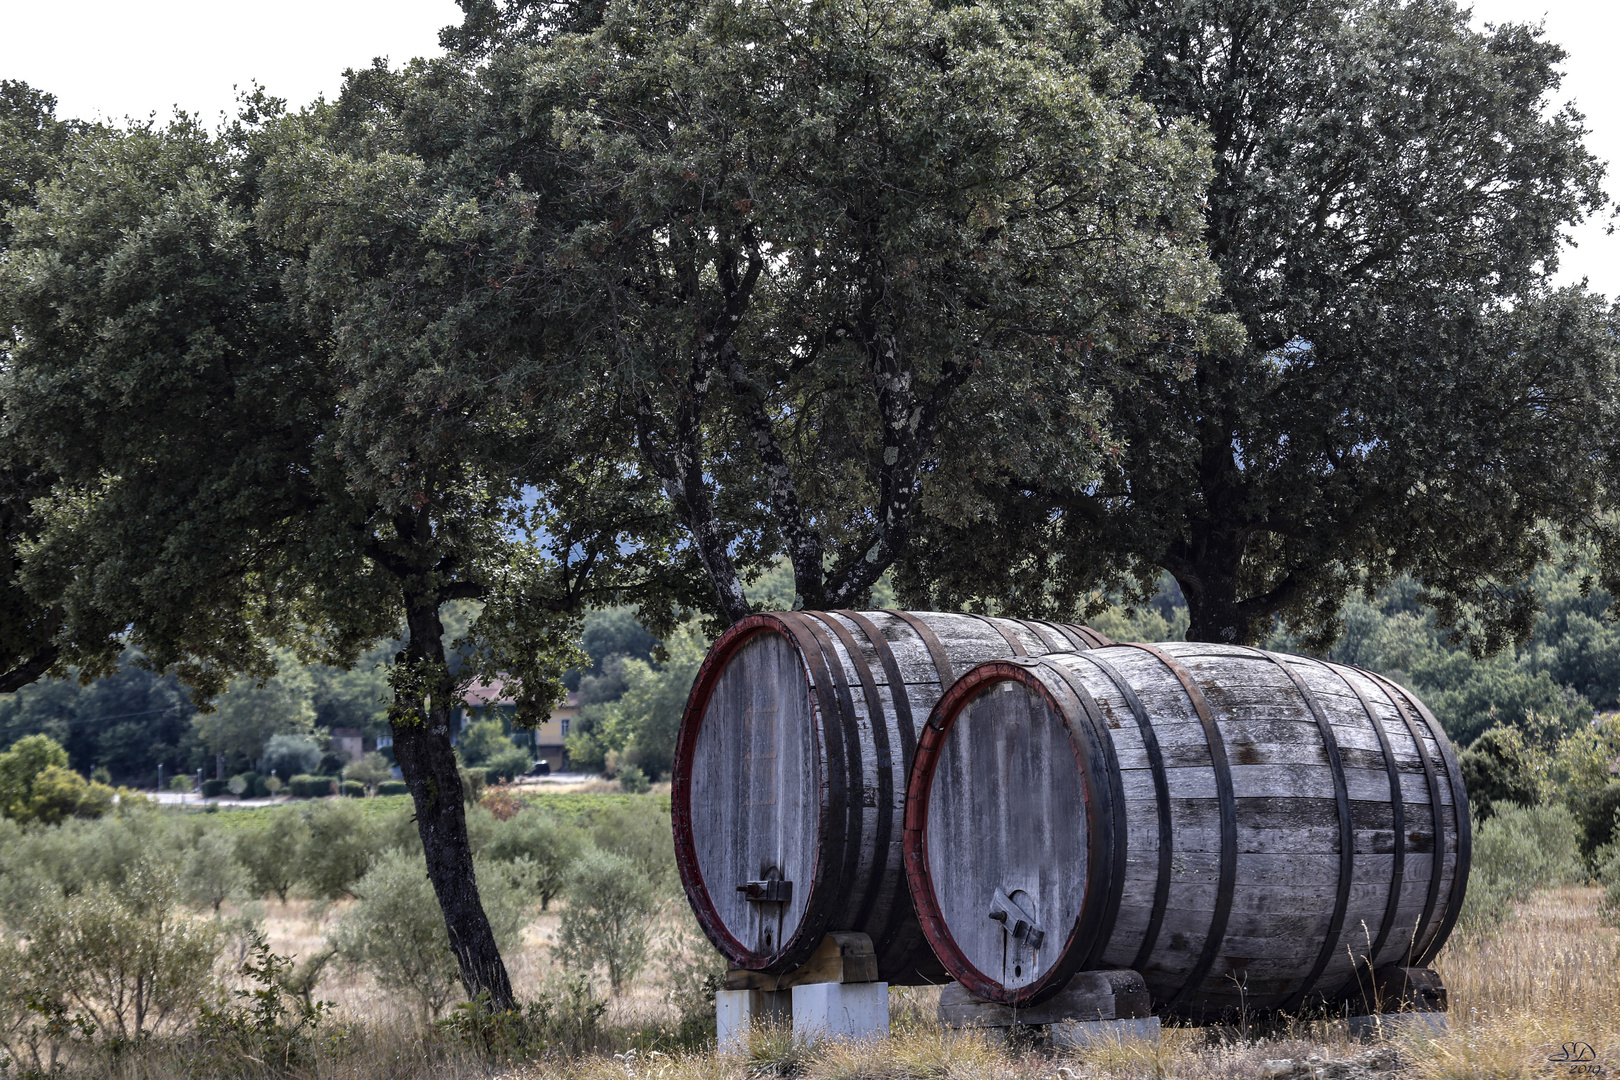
797,948
919,787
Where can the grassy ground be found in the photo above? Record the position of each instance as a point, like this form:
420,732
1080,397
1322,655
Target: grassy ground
1550,976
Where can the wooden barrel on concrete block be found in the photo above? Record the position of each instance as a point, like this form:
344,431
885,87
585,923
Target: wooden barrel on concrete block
1242,828
790,775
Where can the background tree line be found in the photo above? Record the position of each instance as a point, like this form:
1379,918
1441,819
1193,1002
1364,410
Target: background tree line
1026,304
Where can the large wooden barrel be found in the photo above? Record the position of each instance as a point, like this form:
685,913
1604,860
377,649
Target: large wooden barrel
1243,828
790,775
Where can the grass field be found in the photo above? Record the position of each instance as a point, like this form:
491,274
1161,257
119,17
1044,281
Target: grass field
1550,976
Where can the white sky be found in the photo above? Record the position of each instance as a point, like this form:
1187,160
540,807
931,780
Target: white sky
117,58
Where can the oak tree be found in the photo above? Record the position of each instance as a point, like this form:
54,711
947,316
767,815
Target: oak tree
1411,394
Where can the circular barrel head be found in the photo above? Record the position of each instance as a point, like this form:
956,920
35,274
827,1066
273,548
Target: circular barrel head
752,833
998,849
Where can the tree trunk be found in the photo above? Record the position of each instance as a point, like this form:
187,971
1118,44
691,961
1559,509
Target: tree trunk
425,756
1214,611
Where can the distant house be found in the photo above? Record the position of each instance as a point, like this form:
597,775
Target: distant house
495,701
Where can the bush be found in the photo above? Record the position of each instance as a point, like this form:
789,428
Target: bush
542,851
1502,767
1516,852
507,764
354,789
305,786
638,829
128,955
633,781
213,789
393,787
396,931
271,855
211,873
610,907
481,742
340,849
1597,814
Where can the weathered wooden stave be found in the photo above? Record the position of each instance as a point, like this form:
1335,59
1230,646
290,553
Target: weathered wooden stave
844,666
1279,801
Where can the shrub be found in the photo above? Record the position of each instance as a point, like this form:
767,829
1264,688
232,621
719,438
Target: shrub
211,872
213,789
396,933
180,783
393,787
610,906
273,784
340,849
633,781
1516,852
544,851
354,789
305,786
271,855
481,742
508,764
128,957
1597,814
638,829
1502,767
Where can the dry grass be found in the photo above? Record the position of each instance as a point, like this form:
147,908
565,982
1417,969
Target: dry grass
1550,976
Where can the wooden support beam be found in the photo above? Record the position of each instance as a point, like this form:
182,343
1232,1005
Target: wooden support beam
840,958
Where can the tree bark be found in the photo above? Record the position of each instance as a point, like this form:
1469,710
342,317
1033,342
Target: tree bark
422,748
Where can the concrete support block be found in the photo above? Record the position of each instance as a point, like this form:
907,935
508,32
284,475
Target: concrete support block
1079,1034
840,1010
1389,1025
735,1011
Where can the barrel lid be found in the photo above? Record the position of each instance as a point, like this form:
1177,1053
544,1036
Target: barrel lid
747,796
999,840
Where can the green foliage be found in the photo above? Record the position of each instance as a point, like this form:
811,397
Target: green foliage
605,922
1469,697
291,755
129,958
270,1025
633,780
542,851
395,931
340,849
1389,194
1503,769
273,852
304,786
37,785
1516,852
252,712
638,828
126,723
1608,876
481,741
393,787
211,873
640,727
